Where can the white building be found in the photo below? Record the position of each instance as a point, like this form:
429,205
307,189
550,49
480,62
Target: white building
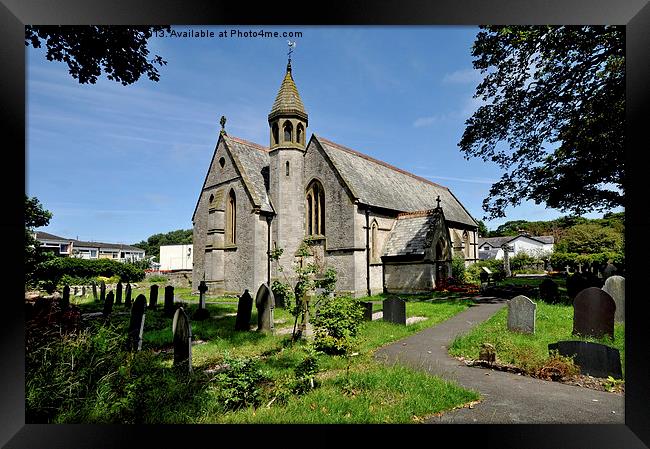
66,247
490,247
176,257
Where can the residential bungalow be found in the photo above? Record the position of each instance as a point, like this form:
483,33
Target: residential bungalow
491,247
66,247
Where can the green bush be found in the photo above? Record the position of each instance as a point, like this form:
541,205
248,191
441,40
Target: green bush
283,294
305,372
241,383
52,271
157,278
458,267
336,324
473,272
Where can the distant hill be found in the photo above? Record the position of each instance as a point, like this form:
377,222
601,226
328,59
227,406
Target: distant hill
153,243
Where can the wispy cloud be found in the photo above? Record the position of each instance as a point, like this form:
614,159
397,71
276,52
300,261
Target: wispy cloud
463,112
465,76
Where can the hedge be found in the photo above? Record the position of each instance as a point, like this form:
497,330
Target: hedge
53,270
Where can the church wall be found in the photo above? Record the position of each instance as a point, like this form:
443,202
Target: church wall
470,252
409,277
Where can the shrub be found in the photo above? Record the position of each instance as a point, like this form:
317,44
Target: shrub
157,278
473,272
305,372
458,267
283,294
337,324
241,383
52,271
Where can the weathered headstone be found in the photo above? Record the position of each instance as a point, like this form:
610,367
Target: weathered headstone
609,270
202,312
94,285
102,291
506,259
575,283
394,310
182,331
153,296
367,310
593,313
615,286
169,300
549,291
244,309
108,304
64,302
265,303
521,315
127,295
118,293
593,359
136,323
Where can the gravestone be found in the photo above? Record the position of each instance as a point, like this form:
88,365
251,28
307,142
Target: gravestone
153,296
506,259
609,270
593,359
64,302
202,312
108,304
102,291
593,313
127,295
244,309
169,300
394,310
549,291
83,291
265,303
118,293
575,283
615,286
94,285
76,289
367,310
182,331
521,315
136,323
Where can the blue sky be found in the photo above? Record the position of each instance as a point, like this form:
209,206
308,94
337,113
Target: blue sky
119,163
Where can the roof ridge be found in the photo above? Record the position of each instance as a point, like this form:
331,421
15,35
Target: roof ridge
416,213
377,161
257,146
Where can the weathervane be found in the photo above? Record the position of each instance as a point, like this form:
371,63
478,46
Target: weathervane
223,125
292,45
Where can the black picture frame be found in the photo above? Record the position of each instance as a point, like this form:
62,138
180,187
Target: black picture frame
635,14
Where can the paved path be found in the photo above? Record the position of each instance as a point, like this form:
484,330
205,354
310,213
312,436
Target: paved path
506,398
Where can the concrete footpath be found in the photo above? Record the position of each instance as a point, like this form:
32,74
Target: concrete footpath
506,398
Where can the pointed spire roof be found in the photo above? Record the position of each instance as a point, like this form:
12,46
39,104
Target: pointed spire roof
288,101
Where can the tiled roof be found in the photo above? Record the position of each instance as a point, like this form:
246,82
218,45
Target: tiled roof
40,235
379,184
288,99
412,234
498,241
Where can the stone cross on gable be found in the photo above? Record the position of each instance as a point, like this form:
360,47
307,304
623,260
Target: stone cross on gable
438,202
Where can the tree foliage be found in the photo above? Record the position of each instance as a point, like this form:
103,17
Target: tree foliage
554,115
35,216
152,245
120,51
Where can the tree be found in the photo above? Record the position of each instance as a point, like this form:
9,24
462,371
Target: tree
120,51
35,216
482,229
590,238
554,115
151,246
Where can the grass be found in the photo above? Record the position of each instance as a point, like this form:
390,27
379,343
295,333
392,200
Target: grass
354,389
529,351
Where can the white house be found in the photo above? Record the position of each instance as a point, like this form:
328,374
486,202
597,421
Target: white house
491,247
176,257
88,250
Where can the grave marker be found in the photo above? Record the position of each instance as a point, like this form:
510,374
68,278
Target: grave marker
136,323
153,296
102,291
244,309
615,286
182,331
94,285
108,304
367,310
549,291
521,315
202,312
593,359
593,313
118,293
127,295
265,303
394,310
64,302
169,300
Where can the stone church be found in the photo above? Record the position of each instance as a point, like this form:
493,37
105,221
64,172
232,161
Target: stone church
380,227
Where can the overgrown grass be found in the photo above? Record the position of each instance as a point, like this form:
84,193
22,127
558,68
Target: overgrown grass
529,351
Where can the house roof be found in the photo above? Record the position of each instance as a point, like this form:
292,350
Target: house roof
379,184
288,101
489,254
412,233
496,242
40,235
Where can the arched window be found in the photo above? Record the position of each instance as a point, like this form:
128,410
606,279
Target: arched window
315,209
276,134
231,219
466,243
288,131
300,133
286,169
374,245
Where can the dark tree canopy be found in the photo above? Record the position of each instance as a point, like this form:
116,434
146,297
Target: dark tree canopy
120,51
152,245
35,217
554,118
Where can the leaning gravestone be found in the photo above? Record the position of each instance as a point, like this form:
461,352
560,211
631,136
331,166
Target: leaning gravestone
521,315
118,293
549,291
394,310
136,324
108,304
94,285
367,310
64,302
202,312
593,359
127,295
153,296
102,291
593,313
265,303
615,286
169,300
244,309
182,332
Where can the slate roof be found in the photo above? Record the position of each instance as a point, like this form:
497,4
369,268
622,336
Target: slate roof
379,184
412,234
40,235
489,254
498,241
251,158
288,101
